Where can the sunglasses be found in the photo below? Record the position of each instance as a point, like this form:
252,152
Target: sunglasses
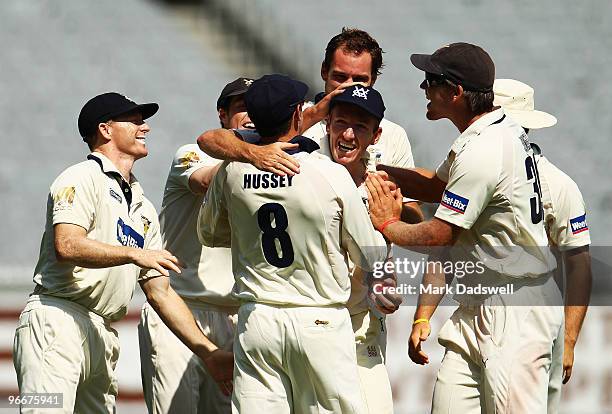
431,79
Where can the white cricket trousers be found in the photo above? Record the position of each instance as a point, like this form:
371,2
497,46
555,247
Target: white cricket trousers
502,355
371,344
61,347
174,380
298,360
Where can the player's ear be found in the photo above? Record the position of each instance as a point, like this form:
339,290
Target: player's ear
376,136
105,129
324,70
223,118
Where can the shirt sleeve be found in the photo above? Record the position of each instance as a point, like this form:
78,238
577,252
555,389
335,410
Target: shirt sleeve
74,199
568,226
443,170
473,178
187,160
213,219
365,246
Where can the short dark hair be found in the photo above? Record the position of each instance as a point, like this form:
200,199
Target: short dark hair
276,131
355,41
479,102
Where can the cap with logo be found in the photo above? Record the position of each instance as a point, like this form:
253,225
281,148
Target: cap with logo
517,100
107,106
272,99
234,88
364,97
465,64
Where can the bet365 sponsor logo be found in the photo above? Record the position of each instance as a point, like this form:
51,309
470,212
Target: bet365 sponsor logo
127,236
579,224
454,202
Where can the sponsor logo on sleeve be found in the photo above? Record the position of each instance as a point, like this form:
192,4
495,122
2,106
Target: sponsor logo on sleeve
64,198
127,236
189,159
454,202
116,196
579,224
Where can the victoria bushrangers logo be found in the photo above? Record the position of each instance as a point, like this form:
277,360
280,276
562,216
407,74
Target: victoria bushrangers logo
454,202
361,93
579,224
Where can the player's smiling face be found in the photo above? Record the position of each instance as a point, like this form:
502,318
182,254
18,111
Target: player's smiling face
236,116
347,66
351,130
128,133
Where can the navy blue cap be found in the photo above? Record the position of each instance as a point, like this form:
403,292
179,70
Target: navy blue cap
106,106
272,99
365,97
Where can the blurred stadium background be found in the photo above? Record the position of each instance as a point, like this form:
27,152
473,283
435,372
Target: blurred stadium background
58,54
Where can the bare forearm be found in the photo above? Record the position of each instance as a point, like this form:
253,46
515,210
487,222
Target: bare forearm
420,237
179,319
417,183
434,277
578,291
84,252
224,145
311,116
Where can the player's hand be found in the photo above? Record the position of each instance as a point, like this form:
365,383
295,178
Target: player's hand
273,158
386,303
160,260
220,366
392,185
420,333
384,203
568,361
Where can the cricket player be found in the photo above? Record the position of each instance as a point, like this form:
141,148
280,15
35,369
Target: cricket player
498,346
290,237
353,127
174,379
354,55
101,237
566,227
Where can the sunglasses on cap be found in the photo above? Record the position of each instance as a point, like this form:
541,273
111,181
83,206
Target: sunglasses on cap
431,79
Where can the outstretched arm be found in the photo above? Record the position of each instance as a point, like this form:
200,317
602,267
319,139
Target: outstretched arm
417,183
223,144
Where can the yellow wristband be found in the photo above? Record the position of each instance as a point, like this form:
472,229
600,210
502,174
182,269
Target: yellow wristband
420,320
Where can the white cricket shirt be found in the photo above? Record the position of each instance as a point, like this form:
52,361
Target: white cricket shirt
493,194
564,208
94,195
208,276
290,237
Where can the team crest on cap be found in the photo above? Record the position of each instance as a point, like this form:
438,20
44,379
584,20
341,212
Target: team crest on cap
189,159
361,92
248,82
64,198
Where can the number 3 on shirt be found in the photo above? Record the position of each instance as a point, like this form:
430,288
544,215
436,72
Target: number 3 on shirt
265,215
537,212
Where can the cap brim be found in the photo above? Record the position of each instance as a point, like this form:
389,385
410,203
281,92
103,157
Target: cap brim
423,62
302,89
148,110
532,119
347,100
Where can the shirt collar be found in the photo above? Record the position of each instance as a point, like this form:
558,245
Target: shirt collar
477,127
107,165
